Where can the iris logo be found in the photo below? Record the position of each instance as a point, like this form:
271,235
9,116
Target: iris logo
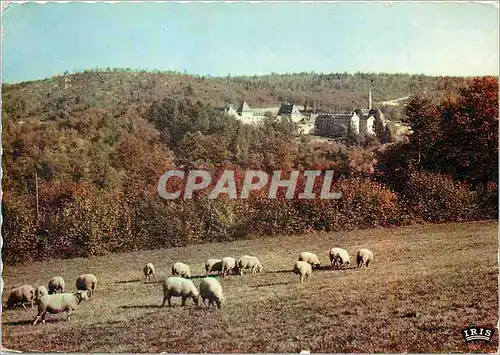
477,333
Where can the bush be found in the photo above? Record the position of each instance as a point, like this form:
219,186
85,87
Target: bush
92,223
19,229
363,204
436,197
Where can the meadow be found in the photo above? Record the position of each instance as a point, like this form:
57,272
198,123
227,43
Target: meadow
426,283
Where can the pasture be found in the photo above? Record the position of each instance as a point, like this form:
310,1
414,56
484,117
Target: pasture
425,284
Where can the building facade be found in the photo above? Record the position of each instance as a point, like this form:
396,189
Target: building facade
361,121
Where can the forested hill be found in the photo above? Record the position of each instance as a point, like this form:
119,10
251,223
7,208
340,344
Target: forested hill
116,89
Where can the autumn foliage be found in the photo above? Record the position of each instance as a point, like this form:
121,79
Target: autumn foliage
98,170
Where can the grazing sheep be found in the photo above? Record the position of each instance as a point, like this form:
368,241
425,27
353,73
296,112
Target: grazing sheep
310,258
249,262
364,257
211,290
181,269
229,264
213,265
21,295
40,292
339,257
302,268
149,271
86,282
56,284
60,302
176,286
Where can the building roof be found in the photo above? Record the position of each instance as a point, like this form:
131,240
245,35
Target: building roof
285,110
361,112
374,111
243,107
288,109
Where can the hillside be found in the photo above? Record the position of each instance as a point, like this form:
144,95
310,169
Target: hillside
114,90
425,284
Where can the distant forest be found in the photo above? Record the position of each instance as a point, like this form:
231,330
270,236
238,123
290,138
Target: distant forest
116,89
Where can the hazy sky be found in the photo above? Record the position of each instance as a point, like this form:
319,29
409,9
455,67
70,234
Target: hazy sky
41,40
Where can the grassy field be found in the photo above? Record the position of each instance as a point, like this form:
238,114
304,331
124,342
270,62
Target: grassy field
426,283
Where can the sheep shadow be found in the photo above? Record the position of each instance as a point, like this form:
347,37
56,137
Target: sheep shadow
142,306
329,268
139,281
21,322
315,269
49,319
128,281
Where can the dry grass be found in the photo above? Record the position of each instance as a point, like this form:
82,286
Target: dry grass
425,284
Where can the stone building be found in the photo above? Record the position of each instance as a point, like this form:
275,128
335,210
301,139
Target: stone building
361,120
249,115
334,125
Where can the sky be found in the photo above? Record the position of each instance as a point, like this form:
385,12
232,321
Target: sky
241,38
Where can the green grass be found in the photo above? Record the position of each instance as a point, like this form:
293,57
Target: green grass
425,284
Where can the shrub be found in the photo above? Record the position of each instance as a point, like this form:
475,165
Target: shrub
19,229
437,198
93,223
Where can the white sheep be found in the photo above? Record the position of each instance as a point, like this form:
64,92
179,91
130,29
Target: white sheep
304,269
364,257
56,284
86,282
213,265
176,286
21,295
310,258
40,292
149,271
229,264
211,290
59,302
339,257
249,262
181,269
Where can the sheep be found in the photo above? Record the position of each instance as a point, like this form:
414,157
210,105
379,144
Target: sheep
310,258
211,290
40,292
149,271
364,257
229,264
339,257
22,295
249,262
56,284
181,269
59,302
303,269
213,265
87,282
179,287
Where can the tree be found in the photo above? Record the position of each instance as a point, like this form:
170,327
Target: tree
470,132
352,138
425,122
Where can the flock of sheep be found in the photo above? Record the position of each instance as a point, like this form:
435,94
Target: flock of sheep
54,300
180,284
